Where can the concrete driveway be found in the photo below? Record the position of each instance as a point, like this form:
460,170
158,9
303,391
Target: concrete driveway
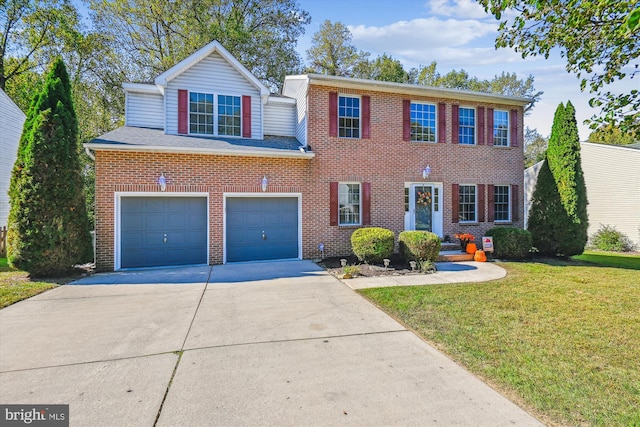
280,343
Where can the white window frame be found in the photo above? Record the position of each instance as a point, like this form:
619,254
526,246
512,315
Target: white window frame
508,137
216,118
475,125
508,204
475,202
359,98
435,121
350,203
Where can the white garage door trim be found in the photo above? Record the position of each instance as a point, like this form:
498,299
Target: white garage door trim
259,195
118,195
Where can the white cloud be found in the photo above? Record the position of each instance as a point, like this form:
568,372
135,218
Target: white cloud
461,9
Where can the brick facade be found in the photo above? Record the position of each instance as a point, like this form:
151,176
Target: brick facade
384,160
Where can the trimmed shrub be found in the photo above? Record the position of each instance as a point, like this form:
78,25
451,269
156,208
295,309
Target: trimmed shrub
510,242
372,244
607,238
421,246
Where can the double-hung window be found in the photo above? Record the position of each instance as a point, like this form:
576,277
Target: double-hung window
423,122
501,203
467,203
203,120
467,126
501,128
349,203
348,116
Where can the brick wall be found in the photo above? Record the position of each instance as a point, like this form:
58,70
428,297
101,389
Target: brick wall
384,160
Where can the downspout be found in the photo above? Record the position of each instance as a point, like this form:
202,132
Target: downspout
89,153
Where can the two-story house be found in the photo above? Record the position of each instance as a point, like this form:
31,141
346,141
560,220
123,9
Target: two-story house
212,168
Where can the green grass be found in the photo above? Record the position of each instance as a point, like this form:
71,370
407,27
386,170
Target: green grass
15,285
562,339
611,259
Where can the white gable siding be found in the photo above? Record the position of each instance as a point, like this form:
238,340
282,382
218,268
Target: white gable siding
144,110
613,191
530,179
280,119
297,88
11,121
213,75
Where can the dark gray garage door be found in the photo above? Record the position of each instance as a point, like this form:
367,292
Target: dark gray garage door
261,228
159,231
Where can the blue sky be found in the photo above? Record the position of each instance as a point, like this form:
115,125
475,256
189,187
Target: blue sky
457,34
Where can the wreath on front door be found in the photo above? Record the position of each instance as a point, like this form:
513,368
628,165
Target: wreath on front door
424,198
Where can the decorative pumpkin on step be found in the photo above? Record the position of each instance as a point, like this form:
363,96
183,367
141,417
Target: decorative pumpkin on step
471,248
480,256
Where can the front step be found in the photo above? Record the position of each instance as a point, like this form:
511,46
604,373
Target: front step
454,256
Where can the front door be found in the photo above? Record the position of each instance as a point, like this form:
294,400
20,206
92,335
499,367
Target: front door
425,207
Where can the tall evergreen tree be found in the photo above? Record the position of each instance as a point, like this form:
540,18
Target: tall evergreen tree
558,220
48,224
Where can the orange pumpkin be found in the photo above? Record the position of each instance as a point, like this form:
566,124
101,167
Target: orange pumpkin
480,256
471,248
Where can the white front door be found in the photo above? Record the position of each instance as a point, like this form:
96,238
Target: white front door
425,207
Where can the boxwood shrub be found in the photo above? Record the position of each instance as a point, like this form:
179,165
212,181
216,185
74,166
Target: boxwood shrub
510,242
421,246
608,238
372,244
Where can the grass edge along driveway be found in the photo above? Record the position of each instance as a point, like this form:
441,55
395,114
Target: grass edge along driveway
560,338
15,285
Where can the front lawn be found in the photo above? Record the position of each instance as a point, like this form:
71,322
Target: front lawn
562,339
611,259
15,285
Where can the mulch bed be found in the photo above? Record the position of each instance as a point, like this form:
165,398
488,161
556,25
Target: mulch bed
397,267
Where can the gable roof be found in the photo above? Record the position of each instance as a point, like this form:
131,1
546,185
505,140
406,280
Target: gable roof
163,79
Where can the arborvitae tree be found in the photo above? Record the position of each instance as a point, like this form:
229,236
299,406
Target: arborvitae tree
558,219
48,229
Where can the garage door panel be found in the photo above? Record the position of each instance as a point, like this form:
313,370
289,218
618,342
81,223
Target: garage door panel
247,218
146,220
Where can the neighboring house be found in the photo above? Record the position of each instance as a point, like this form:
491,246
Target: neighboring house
11,121
212,168
613,192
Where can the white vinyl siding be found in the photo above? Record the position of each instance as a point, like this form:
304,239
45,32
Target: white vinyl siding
144,110
280,119
297,88
213,75
11,121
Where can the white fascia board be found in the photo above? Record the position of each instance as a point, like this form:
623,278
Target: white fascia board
191,150
142,88
411,89
202,53
281,100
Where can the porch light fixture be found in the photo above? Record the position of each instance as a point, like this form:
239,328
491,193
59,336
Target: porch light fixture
263,183
426,171
162,182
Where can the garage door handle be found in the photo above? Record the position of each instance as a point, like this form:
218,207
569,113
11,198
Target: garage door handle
164,240
264,236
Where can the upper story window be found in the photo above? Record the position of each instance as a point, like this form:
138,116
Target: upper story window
467,203
348,117
501,128
467,126
349,203
202,119
423,122
501,204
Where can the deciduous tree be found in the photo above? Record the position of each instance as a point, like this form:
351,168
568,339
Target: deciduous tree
332,52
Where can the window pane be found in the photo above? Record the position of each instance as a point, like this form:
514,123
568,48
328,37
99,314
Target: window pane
467,126
467,203
349,204
423,122
349,117
229,116
200,113
501,203
501,128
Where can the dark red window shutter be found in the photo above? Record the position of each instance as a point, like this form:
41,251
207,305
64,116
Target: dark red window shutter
514,128
333,114
455,120
455,203
481,205
183,111
490,126
481,128
366,203
406,120
515,215
492,205
366,116
442,122
333,203
246,116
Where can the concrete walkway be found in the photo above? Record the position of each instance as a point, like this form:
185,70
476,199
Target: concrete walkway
281,344
447,272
